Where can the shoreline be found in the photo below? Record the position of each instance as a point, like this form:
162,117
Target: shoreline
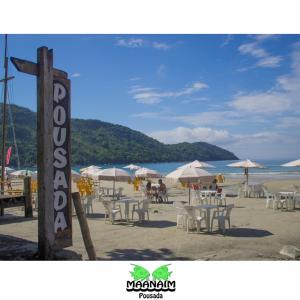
264,177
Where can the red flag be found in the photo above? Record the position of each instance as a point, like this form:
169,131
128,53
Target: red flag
8,154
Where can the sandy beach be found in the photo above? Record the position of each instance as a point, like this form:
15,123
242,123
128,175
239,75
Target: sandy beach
257,233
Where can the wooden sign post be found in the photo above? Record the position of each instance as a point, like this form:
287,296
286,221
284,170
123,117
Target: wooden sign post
53,152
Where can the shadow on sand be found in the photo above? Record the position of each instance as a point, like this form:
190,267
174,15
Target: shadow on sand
10,218
95,216
14,248
155,224
142,254
247,232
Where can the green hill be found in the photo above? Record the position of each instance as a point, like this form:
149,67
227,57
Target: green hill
97,142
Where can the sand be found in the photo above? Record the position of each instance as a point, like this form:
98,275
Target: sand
257,233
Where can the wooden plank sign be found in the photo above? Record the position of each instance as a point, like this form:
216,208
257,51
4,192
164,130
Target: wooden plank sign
53,152
62,163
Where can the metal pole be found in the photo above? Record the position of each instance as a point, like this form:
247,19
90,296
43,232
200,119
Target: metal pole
4,117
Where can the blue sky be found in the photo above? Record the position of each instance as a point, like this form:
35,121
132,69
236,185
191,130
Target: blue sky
240,92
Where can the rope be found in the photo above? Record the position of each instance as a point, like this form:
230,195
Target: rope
13,125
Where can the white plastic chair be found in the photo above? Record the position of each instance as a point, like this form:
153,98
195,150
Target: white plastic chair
196,199
204,198
241,190
269,197
297,199
221,216
119,193
181,216
220,199
279,201
111,211
87,203
296,188
258,190
191,219
142,208
35,200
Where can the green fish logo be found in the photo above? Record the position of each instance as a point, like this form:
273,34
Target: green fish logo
161,273
140,273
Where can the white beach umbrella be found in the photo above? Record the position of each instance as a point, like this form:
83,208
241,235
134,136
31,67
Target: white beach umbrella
196,164
132,167
91,171
21,173
92,167
294,163
114,174
75,175
190,175
147,173
246,164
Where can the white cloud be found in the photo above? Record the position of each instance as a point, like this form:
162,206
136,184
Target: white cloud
160,46
265,59
257,138
289,122
283,97
183,134
221,137
269,62
258,145
139,42
277,109
291,82
76,75
262,103
263,37
253,49
147,95
130,43
264,145
227,40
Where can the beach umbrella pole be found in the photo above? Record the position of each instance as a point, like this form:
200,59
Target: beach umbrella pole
189,193
114,189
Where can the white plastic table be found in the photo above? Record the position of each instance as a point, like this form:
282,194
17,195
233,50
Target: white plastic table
127,201
208,208
209,192
290,199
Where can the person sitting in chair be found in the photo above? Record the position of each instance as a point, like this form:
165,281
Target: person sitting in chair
148,188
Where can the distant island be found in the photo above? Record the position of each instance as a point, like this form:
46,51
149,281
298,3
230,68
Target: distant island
97,142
